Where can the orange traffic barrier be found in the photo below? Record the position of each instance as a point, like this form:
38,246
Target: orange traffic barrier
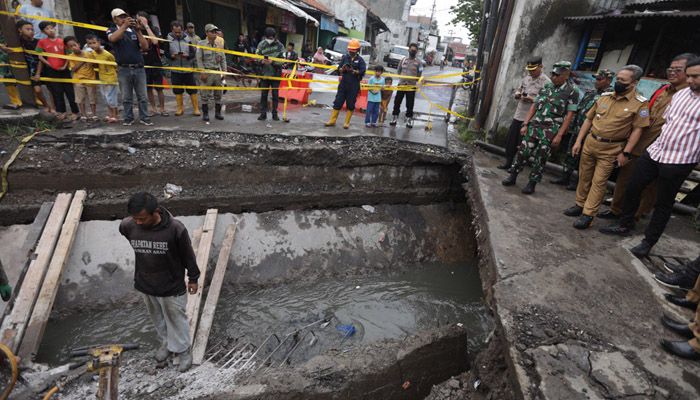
300,92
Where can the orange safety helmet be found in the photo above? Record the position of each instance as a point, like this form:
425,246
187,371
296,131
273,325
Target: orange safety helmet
354,45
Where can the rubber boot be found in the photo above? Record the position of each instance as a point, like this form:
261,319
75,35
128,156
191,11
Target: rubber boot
195,105
348,115
205,112
13,94
217,113
180,105
262,116
275,117
529,188
334,117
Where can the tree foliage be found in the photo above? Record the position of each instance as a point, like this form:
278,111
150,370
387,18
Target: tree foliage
468,13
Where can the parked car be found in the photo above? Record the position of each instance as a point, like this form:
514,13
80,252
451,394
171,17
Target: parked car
339,46
395,55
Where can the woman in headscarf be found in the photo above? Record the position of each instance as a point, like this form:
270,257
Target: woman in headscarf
319,58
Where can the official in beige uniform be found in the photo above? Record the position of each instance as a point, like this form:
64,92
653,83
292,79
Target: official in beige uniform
211,60
657,106
615,123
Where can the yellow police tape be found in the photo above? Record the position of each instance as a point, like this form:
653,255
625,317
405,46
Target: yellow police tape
215,49
22,144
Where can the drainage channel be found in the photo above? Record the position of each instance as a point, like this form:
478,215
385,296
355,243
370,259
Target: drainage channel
353,268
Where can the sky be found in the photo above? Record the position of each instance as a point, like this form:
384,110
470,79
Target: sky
442,15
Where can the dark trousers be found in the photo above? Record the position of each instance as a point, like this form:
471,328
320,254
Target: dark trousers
410,100
181,79
348,89
60,89
670,178
268,83
513,140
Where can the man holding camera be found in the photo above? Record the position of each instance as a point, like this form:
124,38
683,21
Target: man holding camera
127,44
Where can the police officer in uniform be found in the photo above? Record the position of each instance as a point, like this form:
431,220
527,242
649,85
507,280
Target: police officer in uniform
352,69
602,84
545,125
615,123
409,66
529,87
209,59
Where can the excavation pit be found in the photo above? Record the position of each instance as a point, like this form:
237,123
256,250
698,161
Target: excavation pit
364,232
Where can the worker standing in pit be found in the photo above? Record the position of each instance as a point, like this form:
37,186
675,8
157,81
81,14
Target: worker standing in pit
352,68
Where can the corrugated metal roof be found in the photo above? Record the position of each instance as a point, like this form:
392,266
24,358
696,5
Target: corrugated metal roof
317,5
635,15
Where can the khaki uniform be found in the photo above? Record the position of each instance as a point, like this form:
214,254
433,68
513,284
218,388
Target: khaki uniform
613,118
209,59
649,135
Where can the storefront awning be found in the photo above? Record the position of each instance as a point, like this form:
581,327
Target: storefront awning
637,15
285,5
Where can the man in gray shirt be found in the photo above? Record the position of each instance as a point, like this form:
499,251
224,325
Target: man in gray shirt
525,94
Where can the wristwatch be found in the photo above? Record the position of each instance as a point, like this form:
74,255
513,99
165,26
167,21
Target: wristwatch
627,154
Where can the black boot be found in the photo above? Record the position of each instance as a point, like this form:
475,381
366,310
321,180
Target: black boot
562,180
275,117
217,113
573,183
263,116
205,112
510,180
529,188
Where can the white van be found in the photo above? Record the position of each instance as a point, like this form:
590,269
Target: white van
339,46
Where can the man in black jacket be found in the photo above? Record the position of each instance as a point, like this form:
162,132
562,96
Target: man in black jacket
163,252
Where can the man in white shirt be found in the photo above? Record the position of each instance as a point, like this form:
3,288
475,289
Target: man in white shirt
36,7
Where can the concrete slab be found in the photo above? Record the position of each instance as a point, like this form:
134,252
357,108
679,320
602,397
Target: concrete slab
555,286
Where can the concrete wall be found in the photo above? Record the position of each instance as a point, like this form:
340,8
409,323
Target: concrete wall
352,13
536,28
276,247
395,15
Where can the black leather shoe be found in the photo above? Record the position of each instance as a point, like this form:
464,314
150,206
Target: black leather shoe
677,281
680,349
677,327
674,268
615,229
642,249
574,211
510,180
529,188
262,117
583,222
564,180
275,117
608,214
681,301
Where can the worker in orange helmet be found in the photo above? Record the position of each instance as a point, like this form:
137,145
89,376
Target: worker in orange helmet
352,68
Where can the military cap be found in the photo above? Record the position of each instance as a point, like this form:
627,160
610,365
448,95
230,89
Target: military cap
561,66
604,73
210,27
533,63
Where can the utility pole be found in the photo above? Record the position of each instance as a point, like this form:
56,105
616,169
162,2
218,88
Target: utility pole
9,32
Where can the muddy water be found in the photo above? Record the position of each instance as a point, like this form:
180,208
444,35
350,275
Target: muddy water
378,307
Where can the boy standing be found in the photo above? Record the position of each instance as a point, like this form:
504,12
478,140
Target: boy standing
386,98
108,74
56,68
26,39
83,70
374,97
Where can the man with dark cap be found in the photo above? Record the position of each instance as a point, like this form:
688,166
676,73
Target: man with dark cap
190,32
525,94
602,84
545,125
270,47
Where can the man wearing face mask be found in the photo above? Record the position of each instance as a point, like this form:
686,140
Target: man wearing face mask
602,84
657,106
545,125
615,123
352,69
270,47
409,66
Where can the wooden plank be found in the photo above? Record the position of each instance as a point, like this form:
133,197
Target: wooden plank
203,250
207,318
44,304
14,325
25,254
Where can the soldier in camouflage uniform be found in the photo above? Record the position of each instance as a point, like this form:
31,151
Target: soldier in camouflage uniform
603,79
549,118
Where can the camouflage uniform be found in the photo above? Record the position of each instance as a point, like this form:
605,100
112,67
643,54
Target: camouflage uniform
551,105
